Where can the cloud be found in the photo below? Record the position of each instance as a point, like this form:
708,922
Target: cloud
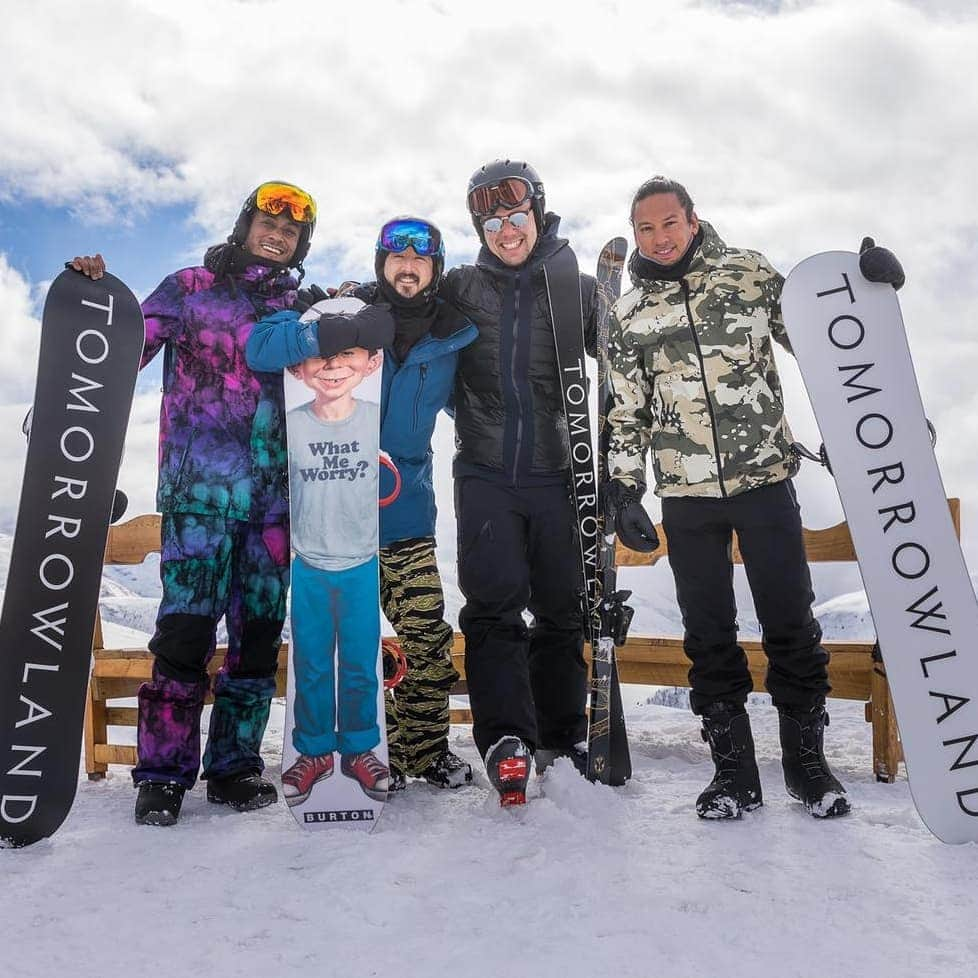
797,126
20,336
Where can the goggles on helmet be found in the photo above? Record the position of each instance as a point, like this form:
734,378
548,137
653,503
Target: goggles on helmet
403,233
509,192
274,198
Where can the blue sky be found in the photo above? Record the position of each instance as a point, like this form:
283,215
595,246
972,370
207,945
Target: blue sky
798,127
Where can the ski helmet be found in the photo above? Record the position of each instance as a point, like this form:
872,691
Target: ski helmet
403,232
276,197
504,183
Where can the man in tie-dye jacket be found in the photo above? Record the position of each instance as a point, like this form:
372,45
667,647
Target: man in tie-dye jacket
223,497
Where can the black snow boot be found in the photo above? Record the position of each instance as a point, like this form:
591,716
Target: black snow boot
447,770
577,755
806,772
736,785
158,803
244,791
508,766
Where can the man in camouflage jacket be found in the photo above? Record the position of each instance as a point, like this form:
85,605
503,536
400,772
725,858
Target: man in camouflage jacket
695,381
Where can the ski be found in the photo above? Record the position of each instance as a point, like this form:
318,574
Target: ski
606,731
91,341
848,337
609,760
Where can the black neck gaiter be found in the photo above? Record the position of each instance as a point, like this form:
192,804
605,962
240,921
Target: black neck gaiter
643,267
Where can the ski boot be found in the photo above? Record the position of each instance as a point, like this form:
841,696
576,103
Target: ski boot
736,785
508,767
298,780
370,772
244,791
806,772
158,803
544,757
447,770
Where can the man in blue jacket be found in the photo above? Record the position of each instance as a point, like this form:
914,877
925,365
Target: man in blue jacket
418,377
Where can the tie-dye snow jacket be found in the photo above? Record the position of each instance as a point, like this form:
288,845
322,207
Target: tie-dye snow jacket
222,431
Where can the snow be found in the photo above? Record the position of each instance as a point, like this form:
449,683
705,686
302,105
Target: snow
585,880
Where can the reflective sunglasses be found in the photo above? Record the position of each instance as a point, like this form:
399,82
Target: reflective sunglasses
273,198
403,233
510,192
519,220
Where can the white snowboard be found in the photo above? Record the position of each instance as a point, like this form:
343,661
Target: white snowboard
336,800
849,338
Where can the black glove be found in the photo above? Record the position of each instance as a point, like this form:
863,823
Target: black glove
305,298
625,512
371,327
880,264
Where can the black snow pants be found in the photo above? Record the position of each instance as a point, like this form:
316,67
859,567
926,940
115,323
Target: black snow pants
768,525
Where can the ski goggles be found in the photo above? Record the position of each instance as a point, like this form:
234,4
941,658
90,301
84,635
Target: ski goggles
274,198
509,192
403,233
493,225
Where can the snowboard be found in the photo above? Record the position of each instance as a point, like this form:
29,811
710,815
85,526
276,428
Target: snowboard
609,760
606,725
849,339
334,705
91,343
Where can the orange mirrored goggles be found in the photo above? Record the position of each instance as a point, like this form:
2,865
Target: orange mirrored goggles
274,198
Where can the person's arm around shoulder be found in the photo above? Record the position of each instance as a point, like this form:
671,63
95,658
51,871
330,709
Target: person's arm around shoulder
281,340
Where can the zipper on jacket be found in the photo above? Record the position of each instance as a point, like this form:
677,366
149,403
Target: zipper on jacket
512,377
706,389
423,371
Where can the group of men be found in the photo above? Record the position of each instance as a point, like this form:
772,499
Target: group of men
695,385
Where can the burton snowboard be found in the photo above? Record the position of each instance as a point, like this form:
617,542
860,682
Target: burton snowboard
335,758
849,338
91,342
606,725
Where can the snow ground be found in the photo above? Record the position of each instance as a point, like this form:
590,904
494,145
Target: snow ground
586,880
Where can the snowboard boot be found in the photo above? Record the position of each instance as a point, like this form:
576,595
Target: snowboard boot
806,772
158,803
508,767
298,780
370,772
397,780
244,791
736,785
544,757
448,770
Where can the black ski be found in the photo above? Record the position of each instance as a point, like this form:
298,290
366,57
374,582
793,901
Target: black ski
609,760
91,340
608,757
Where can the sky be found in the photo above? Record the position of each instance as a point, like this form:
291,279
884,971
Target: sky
137,129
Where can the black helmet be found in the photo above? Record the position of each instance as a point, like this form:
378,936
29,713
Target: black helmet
494,176
405,231
273,197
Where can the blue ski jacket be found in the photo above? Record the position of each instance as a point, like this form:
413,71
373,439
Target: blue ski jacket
412,394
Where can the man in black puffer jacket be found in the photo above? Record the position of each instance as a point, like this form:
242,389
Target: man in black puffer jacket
517,546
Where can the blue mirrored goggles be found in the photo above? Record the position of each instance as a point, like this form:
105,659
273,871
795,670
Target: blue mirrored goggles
400,234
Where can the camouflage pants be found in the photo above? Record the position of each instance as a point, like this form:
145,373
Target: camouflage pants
412,599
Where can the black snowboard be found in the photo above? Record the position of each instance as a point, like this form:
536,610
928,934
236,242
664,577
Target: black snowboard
91,342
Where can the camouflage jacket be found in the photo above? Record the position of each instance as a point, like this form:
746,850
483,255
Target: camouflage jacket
692,366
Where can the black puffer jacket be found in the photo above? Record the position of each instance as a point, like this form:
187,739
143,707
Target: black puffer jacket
509,414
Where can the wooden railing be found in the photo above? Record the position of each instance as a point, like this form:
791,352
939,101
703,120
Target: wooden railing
855,670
